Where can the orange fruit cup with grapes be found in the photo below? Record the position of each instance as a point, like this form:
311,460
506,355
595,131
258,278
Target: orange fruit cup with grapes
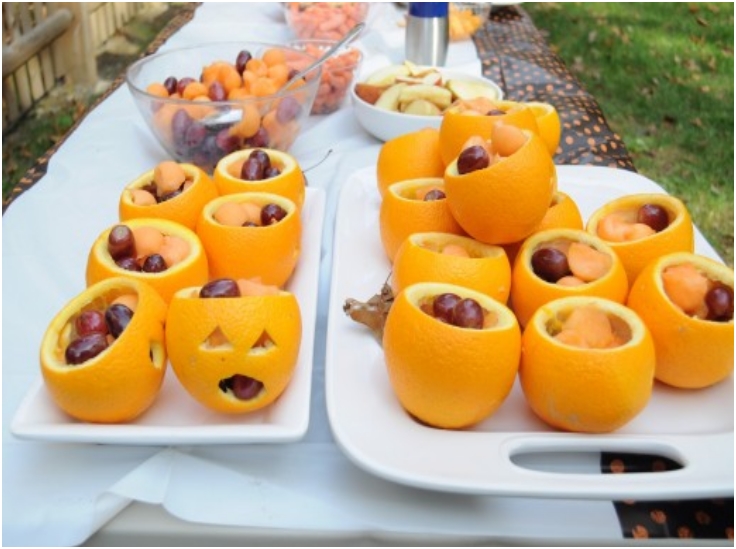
436,343
642,227
413,155
504,201
686,301
452,259
172,191
251,235
103,357
587,364
289,182
162,253
559,263
233,353
563,213
463,120
414,206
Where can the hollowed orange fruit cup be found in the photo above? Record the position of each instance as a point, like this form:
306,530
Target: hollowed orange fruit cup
691,352
548,124
210,340
420,258
410,156
192,270
403,213
290,183
506,201
457,127
121,382
589,390
635,254
183,208
529,292
269,253
442,374
563,213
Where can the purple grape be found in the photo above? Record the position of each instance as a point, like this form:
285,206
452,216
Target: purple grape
128,263
252,170
117,317
287,110
244,387
154,263
221,287
271,171
183,83
195,135
90,322
226,142
241,60
180,123
216,92
171,85
272,214
84,348
259,139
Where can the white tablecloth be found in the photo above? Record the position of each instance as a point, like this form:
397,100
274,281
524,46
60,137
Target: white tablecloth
60,494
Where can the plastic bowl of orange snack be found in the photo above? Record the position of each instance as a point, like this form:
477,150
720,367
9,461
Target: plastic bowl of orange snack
338,73
324,20
207,101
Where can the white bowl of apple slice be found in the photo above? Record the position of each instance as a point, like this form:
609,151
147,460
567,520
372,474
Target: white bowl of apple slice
399,99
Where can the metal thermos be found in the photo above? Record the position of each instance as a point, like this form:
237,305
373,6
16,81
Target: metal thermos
427,33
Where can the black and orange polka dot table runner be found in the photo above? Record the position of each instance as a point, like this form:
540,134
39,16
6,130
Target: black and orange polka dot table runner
515,55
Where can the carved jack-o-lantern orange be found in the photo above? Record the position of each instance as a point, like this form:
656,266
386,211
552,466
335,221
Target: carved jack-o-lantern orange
233,354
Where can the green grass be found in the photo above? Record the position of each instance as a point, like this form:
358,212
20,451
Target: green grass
663,75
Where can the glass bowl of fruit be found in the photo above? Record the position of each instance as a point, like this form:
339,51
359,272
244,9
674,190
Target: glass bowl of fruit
204,102
338,73
324,20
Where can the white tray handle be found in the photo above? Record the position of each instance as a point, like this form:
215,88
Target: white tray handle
698,477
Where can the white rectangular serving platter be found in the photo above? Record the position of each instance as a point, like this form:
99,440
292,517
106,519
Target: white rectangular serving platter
695,428
176,418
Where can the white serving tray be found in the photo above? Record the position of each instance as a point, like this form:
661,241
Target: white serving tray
176,418
695,428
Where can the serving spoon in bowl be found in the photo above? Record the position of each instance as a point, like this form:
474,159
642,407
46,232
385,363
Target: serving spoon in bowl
351,35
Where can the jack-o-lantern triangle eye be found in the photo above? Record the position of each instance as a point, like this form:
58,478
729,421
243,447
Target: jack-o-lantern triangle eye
216,340
264,341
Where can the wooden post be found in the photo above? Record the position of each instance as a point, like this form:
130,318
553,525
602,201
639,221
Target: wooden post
75,52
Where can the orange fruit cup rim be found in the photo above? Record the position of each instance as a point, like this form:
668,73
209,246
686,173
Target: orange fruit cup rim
416,292
558,309
168,228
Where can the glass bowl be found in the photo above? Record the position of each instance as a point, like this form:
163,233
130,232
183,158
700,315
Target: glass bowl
204,102
324,20
466,18
338,73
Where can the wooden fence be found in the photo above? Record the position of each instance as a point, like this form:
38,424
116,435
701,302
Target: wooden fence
49,43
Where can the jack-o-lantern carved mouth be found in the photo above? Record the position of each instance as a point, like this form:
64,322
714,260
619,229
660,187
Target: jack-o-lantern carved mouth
241,387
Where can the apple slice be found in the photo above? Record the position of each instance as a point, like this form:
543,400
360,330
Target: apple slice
466,89
387,76
368,92
441,97
422,107
389,99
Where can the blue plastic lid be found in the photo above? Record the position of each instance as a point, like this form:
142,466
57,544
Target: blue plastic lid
428,9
